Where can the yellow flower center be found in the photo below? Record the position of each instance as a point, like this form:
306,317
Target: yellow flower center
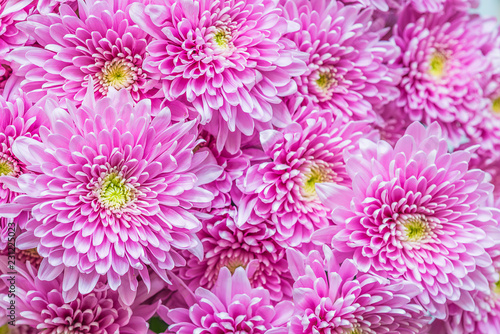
416,229
315,174
496,288
496,106
118,73
437,64
6,168
5,329
221,38
325,81
232,264
114,192
29,255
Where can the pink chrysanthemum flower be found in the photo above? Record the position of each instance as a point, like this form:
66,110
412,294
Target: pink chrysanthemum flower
484,129
333,298
40,304
232,306
484,318
111,194
347,64
299,156
17,118
249,246
228,58
443,63
99,43
416,212
11,13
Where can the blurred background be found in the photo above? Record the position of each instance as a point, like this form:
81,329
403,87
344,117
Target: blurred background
489,8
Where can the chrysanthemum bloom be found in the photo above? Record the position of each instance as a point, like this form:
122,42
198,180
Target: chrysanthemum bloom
416,212
11,13
6,297
484,318
17,118
112,193
228,58
249,246
484,128
299,156
40,304
443,63
232,306
333,298
347,64
99,43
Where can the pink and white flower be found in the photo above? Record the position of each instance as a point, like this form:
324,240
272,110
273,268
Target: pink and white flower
232,306
18,118
333,298
282,189
100,43
41,306
349,69
416,212
250,246
443,67
228,58
112,192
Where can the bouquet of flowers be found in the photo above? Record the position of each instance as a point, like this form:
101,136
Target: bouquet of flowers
249,167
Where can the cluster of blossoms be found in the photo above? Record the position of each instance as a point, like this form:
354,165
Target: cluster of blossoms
249,166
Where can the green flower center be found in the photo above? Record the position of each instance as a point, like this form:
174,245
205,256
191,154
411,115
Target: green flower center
496,105
5,329
221,38
416,229
496,288
325,80
119,73
114,192
437,65
6,167
315,174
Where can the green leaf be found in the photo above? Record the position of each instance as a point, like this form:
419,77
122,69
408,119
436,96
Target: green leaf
157,325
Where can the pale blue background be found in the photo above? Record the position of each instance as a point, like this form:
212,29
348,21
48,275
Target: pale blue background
489,8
